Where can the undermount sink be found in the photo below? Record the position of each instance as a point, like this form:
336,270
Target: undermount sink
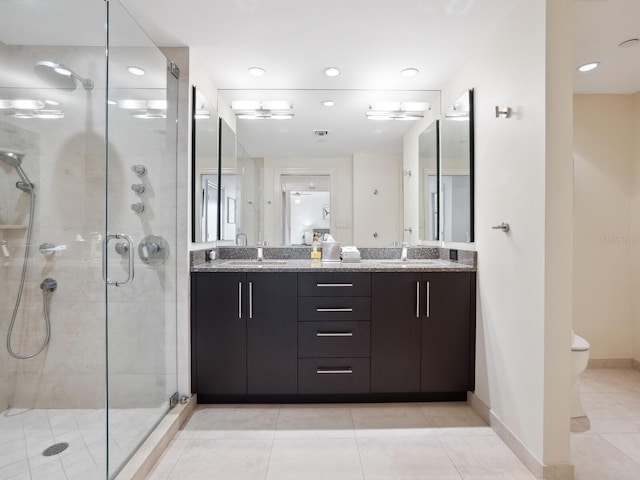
254,263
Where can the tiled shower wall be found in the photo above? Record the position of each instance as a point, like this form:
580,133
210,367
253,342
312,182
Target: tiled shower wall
65,158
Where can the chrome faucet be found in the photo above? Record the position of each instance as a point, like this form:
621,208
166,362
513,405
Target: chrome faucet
403,254
238,239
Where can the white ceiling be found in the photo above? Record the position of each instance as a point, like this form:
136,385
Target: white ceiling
372,40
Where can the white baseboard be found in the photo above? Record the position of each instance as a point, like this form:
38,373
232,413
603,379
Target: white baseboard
539,470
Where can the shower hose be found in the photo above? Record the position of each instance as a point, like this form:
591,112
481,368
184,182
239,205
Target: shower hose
48,286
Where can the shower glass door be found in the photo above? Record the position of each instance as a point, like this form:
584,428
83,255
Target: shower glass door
140,236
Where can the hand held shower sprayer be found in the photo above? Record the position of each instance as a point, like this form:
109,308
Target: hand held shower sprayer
14,159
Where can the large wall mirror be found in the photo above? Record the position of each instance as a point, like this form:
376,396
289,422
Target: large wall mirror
456,171
204,180
274,178
300,147
429,170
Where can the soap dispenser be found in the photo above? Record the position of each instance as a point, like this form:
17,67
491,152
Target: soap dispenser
316,254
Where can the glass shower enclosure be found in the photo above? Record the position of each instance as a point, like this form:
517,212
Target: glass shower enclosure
88,109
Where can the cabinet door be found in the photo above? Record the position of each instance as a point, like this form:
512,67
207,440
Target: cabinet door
395,332
220,335
272,333
446,332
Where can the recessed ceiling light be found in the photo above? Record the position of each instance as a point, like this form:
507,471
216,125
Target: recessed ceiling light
630,42
328,103
256,71
332,72
587,67
133,70
410,72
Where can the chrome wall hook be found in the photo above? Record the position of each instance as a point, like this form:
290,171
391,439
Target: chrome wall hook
504,226
503,112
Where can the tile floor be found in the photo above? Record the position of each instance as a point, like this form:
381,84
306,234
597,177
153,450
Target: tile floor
25,434
407,441
605,445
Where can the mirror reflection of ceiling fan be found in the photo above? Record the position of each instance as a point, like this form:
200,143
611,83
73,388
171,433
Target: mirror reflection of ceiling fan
296,196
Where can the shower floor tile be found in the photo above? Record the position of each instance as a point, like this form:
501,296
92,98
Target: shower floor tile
26,433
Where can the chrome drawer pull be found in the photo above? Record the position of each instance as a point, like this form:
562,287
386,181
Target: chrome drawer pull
334,334
334,371
334,285
334,309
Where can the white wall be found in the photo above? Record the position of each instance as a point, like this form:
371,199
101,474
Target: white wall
523,177
379,212
604,158
635,230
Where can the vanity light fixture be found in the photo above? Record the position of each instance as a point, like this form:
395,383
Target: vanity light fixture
397,110
27,104
137,71
263,110
587,67
410,72
256,71
332,71
328,103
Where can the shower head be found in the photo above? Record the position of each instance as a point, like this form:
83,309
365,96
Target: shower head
61,76
14,159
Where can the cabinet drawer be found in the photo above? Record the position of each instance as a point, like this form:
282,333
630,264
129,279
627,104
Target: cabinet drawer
334,284
333,375
334,339
334,308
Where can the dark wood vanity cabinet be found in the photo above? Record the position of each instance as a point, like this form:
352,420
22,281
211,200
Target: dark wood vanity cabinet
395,332
447,359
334,313
244,333
422,332
305,336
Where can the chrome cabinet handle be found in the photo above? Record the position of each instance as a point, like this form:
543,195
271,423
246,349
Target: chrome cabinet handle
334,371
428,300
334,285
130,268
417,299
250,299
239,299
334,309
334,334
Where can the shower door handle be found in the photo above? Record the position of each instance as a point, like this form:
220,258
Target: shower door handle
105,243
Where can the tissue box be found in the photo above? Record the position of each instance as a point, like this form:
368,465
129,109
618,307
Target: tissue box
331,252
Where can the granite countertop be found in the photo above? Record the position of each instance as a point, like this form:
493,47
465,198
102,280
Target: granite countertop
365,265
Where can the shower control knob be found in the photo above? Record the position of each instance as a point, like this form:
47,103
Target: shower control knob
153,250
138,188
137,207
139,170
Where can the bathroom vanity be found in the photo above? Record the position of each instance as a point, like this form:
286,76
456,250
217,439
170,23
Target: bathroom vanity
293,331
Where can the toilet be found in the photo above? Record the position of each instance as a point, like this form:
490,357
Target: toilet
580,358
